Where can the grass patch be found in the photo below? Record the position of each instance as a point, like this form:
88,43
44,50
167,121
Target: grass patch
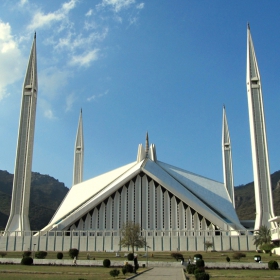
160,256
57,272
242,274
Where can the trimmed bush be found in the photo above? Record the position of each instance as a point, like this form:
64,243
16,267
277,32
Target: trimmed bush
238,255
227,259
114,272
73,253
3,254
27,261
202,276
26,253
40,254
197,256
273,265
130,257
267,247
200,263
191,268
124,271
106,263
177,256
199,270
59,256
129,268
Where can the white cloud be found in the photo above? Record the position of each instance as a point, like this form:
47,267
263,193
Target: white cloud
89,13
52,81
70,99
41,20
11,60
93,97
22,2
85,59
48,113
46,108
117,5
140,6
81,41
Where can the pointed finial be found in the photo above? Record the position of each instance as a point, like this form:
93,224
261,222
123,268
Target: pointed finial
224,106
147,144
248,25
35,35
81,110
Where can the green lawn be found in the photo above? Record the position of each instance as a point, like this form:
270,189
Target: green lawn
240,274
57,272
160,256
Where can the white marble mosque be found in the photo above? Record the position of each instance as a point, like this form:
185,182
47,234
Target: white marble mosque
175,208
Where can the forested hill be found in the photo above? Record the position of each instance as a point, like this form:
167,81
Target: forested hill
47,194
245,198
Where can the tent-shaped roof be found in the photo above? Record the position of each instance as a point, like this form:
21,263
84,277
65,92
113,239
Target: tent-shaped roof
208,197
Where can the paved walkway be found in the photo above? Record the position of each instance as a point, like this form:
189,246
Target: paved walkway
162,273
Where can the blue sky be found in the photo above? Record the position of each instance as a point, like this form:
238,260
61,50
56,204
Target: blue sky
136,66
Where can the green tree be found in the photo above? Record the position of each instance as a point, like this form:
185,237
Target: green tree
262,236
131,236
208,244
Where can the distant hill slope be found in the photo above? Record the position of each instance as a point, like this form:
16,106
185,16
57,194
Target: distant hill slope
245,198
46,195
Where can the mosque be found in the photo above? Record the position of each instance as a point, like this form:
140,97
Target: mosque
175,208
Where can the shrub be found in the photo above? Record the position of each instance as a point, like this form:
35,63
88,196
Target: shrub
191,268
59,255
267,247
106,263
273,265
198,270
3,254
227,259
40,254
130,257
114,272
198,256
202,276
129,268
73,253
177,256
238,255
26,253
124,271
27,261
200,263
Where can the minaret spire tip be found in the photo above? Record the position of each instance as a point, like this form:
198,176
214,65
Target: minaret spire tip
147,144
248,26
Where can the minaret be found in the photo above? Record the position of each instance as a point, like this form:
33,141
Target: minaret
147,145
262,183
79,154
227,160
19,220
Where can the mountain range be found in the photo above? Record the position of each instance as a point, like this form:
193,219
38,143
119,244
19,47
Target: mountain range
47,194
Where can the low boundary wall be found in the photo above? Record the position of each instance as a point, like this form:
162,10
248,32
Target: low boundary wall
225,265
59,241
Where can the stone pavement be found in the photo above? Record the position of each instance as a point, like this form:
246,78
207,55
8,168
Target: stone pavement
162,273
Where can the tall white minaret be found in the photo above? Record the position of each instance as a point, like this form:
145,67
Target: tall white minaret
19,220
262,182
79,154
227,159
